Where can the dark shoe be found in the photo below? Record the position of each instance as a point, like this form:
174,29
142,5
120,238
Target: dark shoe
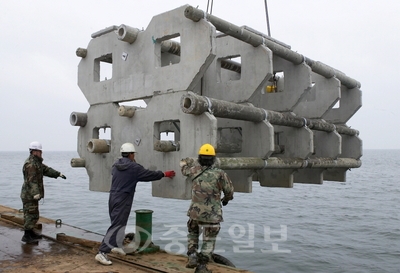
36,236
202,268
192,260
27,238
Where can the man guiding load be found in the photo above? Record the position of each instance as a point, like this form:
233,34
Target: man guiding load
33,189
205,211
126,173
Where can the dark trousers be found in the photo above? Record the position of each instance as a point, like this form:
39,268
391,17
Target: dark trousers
119,208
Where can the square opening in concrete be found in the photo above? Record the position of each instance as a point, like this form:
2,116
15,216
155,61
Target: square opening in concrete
103,68
170,47
167,136
229,69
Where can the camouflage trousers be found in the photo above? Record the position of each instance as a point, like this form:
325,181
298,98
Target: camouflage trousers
210,233
31,213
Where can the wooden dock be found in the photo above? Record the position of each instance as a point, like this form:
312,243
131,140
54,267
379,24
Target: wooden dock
65,248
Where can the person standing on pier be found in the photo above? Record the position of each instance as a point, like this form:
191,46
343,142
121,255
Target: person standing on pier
126,173
33,189
205,211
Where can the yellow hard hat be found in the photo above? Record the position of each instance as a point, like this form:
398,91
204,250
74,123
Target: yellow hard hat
207,149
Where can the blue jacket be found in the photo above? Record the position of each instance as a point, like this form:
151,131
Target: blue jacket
126,174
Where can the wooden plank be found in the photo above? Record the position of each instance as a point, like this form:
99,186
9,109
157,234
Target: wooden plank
18,220
62,237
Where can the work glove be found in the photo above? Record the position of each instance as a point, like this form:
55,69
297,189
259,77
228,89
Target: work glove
62,176
36,197
169,174
224,202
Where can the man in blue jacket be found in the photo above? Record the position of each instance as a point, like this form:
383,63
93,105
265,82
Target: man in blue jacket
126,173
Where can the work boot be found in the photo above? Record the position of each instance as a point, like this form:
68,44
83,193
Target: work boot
34,235
192,260
202,266
27,238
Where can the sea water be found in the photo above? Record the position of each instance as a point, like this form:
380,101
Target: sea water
351,226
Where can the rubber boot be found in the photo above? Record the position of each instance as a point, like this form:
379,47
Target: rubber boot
202,266
192,260
34,235
27,238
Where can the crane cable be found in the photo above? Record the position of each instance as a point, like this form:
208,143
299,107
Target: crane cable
266,14
208,4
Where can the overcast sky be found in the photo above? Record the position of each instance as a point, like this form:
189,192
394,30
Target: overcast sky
39,67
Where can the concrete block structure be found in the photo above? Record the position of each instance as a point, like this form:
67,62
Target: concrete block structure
273,115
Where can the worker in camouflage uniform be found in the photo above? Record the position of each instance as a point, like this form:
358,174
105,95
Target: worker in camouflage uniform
33,190
205,211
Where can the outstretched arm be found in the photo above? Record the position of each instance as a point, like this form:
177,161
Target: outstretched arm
50,172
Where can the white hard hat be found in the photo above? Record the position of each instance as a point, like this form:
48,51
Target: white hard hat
35,145
127,148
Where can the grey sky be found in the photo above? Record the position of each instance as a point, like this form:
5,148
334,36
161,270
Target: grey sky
39,67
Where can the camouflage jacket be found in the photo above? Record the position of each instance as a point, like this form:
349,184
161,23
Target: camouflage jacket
33,171
207,185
